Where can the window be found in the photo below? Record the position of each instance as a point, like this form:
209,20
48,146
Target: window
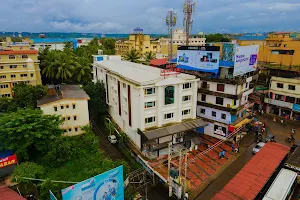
75,118
124,85
74,106
150,104
219,100
5,95
67,106
186,112
284,52
213,113
61,107
169,95
203,97
148,91
290,99
149,120
70,129
55,108
292,87
1,67
187,85
220,87
69,118
14,83
279,85
4,86
23,75
65,130
13,66
186,98
24,66
278,97
2,76
223,116
202,111
63,118
31,75
76,129
169,116
11,57
234,102
13,76
24,56
246,85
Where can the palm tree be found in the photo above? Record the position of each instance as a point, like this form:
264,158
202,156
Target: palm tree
132,56
66,67
82,70
50,64
148,56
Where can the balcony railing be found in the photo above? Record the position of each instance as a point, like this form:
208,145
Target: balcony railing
232,109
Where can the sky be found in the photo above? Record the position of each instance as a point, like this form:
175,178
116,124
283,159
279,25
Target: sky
122,16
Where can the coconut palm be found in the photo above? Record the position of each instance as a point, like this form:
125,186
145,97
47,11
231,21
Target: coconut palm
66,67
82,70
148,56
50,64
132,56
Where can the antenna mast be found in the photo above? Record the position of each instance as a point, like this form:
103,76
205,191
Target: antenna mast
188,10
171,22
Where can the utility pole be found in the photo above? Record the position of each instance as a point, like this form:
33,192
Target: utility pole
185,171
179,168
188,10
170,22
169,166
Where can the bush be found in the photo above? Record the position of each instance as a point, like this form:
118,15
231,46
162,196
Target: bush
28,170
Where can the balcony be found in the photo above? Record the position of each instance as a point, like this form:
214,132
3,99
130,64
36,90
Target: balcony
278,103
232,109
205,90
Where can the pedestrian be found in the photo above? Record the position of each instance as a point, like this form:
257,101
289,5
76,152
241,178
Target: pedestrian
293,131
223,154
236,150
220,154
186,196
233,147
234,139
281,121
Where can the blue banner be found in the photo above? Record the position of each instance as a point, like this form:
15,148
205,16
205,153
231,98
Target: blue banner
106,186
296,107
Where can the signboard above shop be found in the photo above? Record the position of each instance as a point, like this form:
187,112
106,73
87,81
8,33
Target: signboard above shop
199,58
245,59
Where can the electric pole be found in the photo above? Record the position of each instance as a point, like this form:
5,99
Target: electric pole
169,166
170,22
188,10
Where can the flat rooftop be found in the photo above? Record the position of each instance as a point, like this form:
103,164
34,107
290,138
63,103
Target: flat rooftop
137,73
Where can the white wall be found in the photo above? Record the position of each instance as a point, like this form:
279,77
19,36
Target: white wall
212,100
209,130
286,82
228,89
53,46
81,111
208,114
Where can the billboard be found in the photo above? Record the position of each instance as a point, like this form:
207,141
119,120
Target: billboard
106,186
7,161
228,52
199,58
245,59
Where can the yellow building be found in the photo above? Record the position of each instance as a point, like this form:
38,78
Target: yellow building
140,42
277,51
18,66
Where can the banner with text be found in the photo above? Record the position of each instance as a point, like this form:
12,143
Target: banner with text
106,186
9,160
245,59
199,58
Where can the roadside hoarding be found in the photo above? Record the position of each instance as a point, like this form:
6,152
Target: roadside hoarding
245,59
228,52
106,186
7,161
199,58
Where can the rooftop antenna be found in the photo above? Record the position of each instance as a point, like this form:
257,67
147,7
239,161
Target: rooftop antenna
188,10
171,22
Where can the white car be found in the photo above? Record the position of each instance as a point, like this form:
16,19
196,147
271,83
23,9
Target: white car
258,147
112,139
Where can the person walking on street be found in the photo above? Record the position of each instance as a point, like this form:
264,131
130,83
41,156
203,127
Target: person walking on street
293,131
233,147
186,196
281,122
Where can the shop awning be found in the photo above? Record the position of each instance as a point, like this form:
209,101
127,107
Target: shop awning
9,194
173,129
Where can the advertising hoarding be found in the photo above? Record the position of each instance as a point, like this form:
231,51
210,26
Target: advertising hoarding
228,52
199,58
106,186
245,59
7,161
296,107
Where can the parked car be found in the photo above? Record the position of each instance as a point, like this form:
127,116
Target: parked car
112,139
258,147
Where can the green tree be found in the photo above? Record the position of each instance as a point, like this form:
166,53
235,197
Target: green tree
28,170
50,64
148,56
97,94
28,132
26,96
82,71
4,103
68,46
66,67
108,46
132,56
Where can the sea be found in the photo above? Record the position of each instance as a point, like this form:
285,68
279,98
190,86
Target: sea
70,35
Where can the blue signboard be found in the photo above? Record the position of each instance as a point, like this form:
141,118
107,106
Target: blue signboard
296,107
106,186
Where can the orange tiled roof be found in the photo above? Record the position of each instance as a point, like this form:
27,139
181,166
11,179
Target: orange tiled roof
158,62
18,52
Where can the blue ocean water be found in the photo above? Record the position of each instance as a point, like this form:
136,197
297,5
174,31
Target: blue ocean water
70,35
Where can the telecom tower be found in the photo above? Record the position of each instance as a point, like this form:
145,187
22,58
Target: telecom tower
171,22
188,10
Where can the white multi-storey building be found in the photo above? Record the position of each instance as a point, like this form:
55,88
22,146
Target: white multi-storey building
222,102
71,103
179,38
153,108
